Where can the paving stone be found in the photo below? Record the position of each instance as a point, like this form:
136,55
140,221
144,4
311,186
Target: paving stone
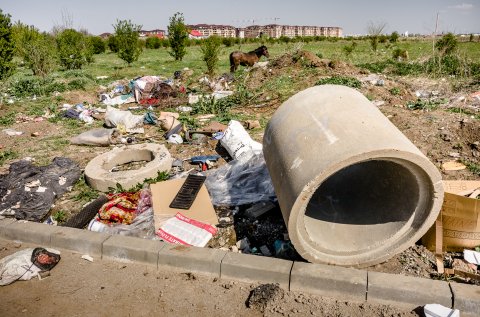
81,241
122,248
27,231
408,291
253,268
191,259
466,298
330,281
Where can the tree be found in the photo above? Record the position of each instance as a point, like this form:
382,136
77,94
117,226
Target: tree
177,36
36,49
7,46
126,34
211,48
98,45
374,31
394,37
112,43
73,49
153,42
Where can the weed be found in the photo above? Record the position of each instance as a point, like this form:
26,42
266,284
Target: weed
425,104
339,80
7,155
60,216
85,192
395,91
7,119
78,84
472,167
161,176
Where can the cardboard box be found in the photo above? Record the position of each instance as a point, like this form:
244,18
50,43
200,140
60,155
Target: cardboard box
164,192
460,218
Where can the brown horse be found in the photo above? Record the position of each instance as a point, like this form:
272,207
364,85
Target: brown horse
246,59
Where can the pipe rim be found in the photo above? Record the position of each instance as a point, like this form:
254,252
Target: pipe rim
430,200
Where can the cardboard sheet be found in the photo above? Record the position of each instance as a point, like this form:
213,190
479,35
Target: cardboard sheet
164,192
460,218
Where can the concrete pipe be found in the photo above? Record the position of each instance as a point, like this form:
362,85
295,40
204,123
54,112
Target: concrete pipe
353,190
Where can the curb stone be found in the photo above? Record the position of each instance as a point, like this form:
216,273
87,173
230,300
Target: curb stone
410,291
252,268
124,248
329,281
295,276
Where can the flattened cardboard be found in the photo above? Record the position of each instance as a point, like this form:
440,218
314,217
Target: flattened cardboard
460,218
164,192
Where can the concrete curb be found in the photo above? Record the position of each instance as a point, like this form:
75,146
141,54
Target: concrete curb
324,280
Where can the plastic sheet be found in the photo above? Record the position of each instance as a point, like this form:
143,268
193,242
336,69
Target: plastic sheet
97,137
240,182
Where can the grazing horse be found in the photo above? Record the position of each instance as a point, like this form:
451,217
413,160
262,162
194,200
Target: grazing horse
246,59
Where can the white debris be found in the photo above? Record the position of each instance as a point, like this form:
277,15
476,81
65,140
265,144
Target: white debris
471,256
87,257
437,310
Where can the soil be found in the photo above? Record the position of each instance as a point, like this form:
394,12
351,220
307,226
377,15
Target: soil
436,127
76,287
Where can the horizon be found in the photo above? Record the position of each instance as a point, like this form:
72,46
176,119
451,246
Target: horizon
455,16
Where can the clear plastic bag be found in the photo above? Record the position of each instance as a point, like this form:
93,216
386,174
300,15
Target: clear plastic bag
240,182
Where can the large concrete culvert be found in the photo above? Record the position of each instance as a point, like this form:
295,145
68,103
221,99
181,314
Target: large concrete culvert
352,188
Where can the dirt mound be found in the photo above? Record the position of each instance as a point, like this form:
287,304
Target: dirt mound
265,295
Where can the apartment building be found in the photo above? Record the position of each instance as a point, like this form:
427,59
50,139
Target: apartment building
158,33
213,29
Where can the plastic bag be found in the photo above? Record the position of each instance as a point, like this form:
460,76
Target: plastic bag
142,226
98,137
124,120
240,182
238,142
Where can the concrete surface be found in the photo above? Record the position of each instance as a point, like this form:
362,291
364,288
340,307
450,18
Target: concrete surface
98,171
411,291
352,188
329,281
248,268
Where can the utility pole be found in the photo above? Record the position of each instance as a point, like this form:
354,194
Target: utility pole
434,35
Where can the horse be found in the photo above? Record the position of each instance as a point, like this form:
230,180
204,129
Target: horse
247,59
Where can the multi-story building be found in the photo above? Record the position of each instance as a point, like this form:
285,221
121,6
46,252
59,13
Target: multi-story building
214,29
156,32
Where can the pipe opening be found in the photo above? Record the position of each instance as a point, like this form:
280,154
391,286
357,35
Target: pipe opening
362,205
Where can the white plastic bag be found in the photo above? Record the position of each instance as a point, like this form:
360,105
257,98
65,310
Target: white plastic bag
123,120
238,142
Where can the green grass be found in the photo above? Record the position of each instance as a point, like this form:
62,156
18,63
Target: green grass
84,193
7,155
340,80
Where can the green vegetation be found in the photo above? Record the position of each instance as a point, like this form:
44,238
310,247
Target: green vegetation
73,49
395,91
161,176
7,155
126,35
84,193
426,104
211,49
177,36
60,216
340,80
7,46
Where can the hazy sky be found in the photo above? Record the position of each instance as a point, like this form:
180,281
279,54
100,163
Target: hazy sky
414,16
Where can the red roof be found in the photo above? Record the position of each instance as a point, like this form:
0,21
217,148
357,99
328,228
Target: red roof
195,33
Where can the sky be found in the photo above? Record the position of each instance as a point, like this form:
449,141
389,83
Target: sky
98,16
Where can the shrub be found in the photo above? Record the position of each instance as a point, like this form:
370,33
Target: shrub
177,36
97,44
447,44
400,54
153,42
112,44
7,46
227,41
73,49
36,49
126,34
211,48
340,80
394,37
